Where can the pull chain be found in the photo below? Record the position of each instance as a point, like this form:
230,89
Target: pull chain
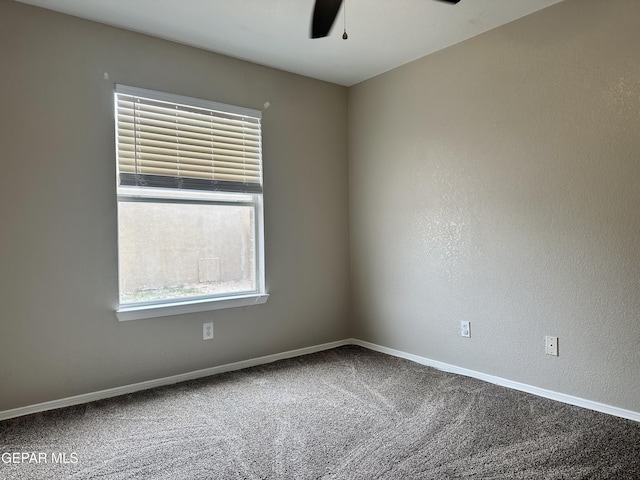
344,15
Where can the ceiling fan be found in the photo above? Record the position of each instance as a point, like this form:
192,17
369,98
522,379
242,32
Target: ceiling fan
325,12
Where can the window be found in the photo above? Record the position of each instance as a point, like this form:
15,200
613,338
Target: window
189,176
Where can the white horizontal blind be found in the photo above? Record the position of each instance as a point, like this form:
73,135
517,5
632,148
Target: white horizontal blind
169,141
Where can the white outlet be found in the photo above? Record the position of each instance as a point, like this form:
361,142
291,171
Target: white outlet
465,328
207,331
551,346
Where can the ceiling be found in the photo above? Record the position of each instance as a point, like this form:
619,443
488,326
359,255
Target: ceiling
383,34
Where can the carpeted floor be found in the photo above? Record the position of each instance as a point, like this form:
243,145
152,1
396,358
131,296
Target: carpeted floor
347,413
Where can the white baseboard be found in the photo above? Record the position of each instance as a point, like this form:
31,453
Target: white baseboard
541,392
136,387
114,392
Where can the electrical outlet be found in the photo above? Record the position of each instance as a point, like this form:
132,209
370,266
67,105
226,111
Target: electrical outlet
207,331
551,346
465,328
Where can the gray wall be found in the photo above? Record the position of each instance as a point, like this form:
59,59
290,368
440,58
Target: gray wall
58,269
498,181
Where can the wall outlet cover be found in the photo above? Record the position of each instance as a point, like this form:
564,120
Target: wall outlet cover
465,328
551,346
207,331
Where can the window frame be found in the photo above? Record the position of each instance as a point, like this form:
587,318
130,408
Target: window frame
126,193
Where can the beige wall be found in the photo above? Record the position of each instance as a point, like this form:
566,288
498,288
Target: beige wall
59,335
498,182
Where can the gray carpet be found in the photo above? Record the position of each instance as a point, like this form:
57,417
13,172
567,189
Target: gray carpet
347,413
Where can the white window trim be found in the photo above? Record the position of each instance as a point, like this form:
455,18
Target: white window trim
172,307
138,312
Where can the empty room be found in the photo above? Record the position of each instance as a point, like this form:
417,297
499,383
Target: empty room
320,239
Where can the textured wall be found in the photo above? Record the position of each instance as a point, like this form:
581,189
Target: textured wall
498,181
183,248
59,335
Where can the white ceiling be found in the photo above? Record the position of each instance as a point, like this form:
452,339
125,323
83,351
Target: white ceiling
383,34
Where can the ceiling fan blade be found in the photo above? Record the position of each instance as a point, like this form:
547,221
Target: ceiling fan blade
324,14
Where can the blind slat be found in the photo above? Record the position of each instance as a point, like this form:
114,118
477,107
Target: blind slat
183,156
182,132
158,160
177,116
187,124
191,144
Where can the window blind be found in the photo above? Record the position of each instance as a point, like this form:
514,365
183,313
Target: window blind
170,141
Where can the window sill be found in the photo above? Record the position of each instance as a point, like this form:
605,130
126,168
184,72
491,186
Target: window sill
139,312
